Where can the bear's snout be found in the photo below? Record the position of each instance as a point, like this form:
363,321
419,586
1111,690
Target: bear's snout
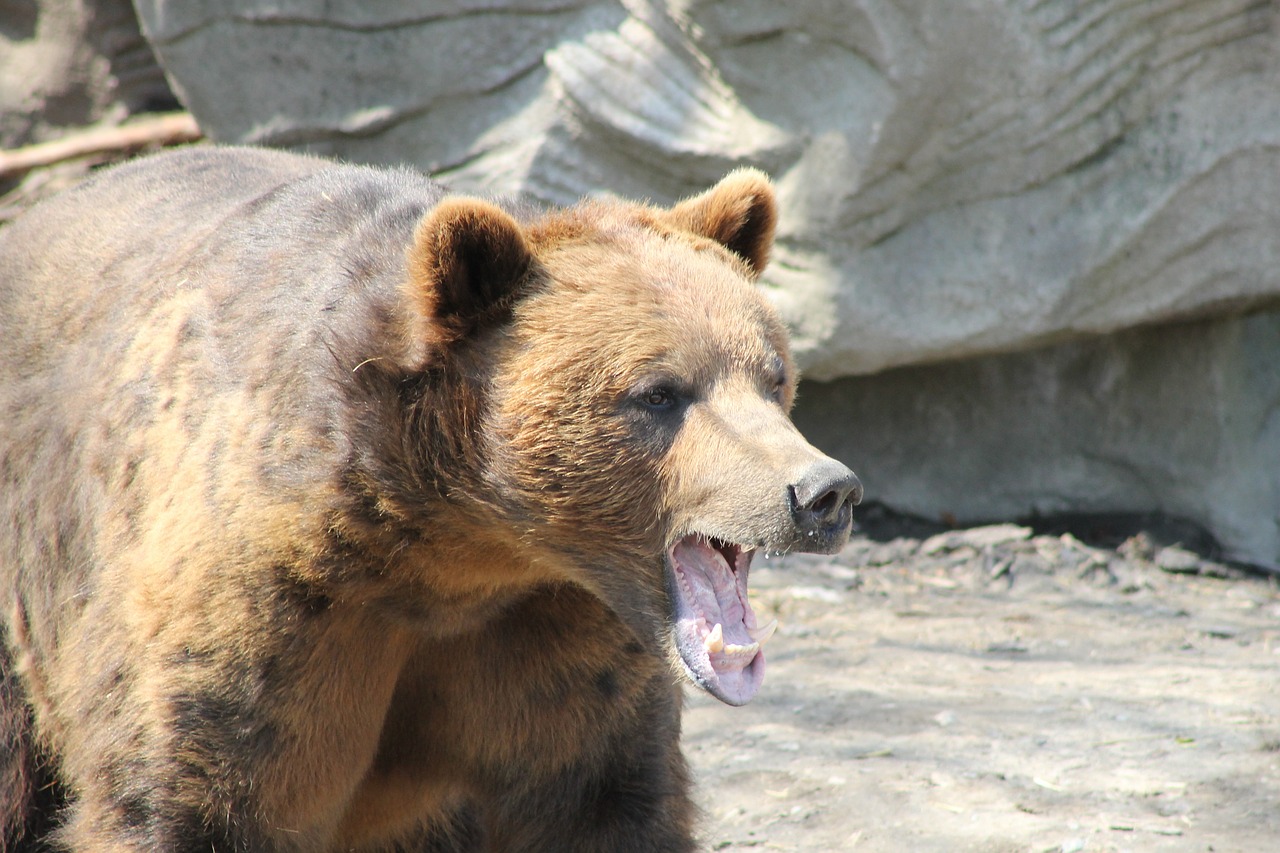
822,502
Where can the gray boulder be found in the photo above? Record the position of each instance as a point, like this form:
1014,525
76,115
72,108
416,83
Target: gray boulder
1180,419
68,63
957,180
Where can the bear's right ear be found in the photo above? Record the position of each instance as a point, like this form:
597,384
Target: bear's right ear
467,265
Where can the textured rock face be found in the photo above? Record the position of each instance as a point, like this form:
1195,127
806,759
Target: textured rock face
66,63
1182,419
957,178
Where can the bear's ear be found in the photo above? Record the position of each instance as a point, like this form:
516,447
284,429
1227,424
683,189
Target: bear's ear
467,265
740,213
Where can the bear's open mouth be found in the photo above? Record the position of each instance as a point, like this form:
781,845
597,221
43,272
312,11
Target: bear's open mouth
715,628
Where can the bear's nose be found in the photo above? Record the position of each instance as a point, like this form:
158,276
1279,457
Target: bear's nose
822,493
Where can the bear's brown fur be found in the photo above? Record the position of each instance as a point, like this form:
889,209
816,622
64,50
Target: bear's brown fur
338,513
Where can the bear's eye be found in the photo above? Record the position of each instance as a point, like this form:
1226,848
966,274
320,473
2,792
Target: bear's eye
779,390
658,398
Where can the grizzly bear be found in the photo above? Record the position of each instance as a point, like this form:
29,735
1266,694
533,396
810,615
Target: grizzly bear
342,513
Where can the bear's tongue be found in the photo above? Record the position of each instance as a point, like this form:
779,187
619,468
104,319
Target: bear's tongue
715,629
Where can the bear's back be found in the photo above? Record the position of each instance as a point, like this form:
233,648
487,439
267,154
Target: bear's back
188,321
257,232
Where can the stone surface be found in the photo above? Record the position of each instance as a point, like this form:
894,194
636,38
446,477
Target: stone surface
957,181
1181,419
956,178
67,63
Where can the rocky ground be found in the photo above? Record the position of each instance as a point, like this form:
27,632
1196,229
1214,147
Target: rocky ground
1002,689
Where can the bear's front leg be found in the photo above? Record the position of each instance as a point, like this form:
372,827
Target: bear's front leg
205,746
550,730
100,820
630,795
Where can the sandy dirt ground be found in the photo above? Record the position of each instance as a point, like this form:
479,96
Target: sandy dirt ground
994,690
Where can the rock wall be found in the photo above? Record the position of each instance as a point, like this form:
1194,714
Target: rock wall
1180,419
67,63
958,180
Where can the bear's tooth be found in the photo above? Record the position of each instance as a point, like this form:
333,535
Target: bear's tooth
714,641
762,634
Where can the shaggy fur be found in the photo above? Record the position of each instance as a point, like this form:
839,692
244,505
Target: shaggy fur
336,513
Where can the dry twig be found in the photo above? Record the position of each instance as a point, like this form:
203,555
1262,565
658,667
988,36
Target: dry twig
160,129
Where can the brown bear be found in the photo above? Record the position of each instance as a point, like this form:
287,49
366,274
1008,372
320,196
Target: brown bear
341,513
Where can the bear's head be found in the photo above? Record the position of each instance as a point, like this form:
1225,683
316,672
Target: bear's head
625,393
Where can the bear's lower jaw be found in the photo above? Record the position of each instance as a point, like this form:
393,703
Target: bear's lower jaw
715,629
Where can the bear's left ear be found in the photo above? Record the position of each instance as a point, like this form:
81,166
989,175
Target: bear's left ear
740,213
467,265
